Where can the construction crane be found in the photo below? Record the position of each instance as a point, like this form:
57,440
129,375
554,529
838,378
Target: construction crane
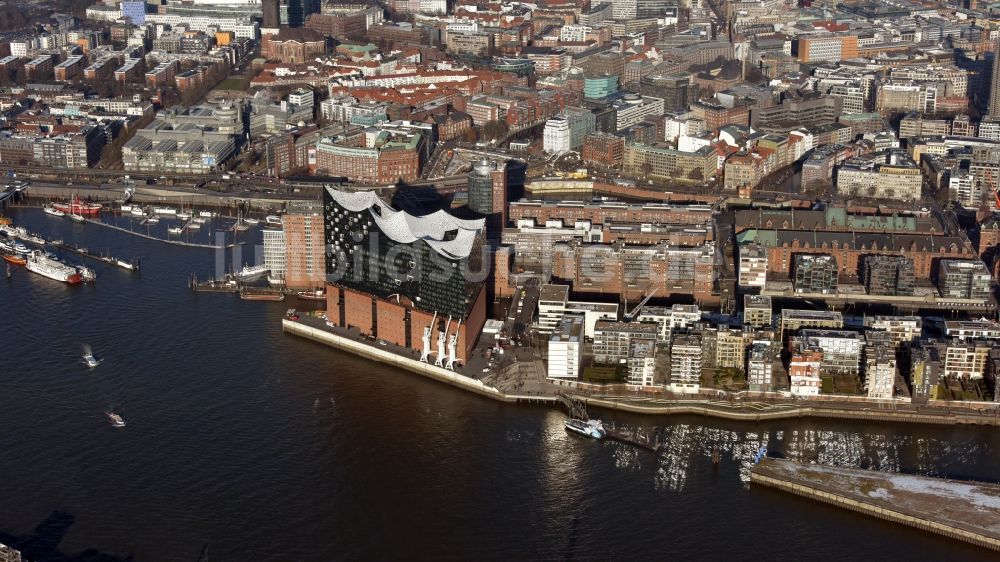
629,316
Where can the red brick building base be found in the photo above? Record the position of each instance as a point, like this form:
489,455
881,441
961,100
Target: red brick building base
400,323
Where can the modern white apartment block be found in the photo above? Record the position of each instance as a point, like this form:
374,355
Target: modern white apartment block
566,348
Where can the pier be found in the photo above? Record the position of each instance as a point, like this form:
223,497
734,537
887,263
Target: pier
226,285
132,265
164,240
577,409
965,511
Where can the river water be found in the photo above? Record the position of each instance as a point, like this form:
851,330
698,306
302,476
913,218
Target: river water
267,447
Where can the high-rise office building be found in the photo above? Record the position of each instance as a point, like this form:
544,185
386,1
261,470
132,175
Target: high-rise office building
488,193
994,109
271,14
305,258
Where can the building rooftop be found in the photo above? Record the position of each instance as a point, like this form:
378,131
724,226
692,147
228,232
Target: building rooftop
447,235
553,293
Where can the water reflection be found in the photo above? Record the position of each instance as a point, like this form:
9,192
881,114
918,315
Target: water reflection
690,447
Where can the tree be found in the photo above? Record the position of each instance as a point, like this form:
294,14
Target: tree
493,130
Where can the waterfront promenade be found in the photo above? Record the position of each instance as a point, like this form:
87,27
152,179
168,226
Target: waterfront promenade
737,409
965,511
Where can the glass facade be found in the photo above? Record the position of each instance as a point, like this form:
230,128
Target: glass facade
360,256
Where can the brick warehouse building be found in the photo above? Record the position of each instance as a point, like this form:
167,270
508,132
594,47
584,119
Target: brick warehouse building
422,283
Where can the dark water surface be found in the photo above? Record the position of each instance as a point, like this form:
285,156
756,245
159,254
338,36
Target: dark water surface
268,447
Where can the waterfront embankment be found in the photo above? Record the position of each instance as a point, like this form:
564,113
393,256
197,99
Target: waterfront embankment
751,412
163,195
965,511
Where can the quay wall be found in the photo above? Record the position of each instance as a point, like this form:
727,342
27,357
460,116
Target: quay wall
694,408
157,195
425,369
832,498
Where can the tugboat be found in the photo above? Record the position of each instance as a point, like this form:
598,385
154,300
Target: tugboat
88,275
117,420
592,428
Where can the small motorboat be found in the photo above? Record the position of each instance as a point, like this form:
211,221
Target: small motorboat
90,360
273,219
184,215
199,220
153,220
251,221
54,212
137,211
175,230
126,208
76,218
117,420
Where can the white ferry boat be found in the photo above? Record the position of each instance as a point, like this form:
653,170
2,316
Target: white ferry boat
249,273
54,212
592,428
40,263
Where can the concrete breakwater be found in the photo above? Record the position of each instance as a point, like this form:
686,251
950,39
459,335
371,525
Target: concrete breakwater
965,511
692,407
